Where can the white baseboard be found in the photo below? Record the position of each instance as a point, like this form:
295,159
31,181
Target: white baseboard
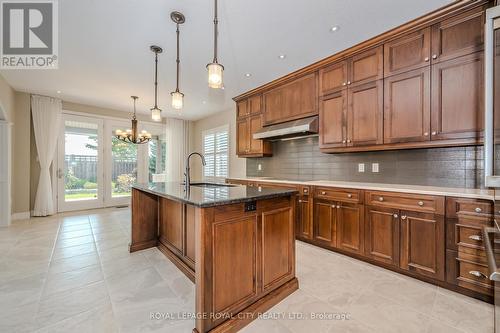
20,216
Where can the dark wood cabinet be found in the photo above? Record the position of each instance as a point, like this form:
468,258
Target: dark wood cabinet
249,121
423,244
350,227
457,110
459,35
293,100
382,235
325,222
304,228
333,114
407,53
333,77
407,107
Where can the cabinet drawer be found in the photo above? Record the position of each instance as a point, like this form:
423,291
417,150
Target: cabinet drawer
339,194
474,276
469,236
474,255
305,190
479,221
454,206
412,202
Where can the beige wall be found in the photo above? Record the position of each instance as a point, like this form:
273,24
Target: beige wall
69,106
237,166
7,100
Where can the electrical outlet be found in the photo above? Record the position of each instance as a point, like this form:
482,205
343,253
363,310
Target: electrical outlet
361,167
374,167
259,167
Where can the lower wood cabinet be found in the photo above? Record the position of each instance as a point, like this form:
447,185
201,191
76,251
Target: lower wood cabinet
382,235
325,222
422,244
304,228
350,227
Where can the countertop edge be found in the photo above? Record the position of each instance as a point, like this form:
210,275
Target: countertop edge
418,189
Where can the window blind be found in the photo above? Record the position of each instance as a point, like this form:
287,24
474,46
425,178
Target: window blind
216,151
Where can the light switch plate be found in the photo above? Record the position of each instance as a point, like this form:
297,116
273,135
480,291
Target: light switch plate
361,167
374,167
259,167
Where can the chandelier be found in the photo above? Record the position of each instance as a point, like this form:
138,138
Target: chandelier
130,135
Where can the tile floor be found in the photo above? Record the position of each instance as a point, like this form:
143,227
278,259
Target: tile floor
73,272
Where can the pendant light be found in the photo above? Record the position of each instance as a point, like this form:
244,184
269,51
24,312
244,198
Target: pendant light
130,135
177,96
215,70
155,111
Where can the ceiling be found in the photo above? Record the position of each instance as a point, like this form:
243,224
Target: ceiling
104,54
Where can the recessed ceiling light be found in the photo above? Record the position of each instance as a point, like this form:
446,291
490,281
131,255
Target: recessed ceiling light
282,56
248,75
59,91
204,102
334,28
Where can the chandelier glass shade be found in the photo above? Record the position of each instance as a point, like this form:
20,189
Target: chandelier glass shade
215,70
155,110
133,135
177,96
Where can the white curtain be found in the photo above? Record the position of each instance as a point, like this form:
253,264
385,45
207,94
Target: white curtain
47,115
177,139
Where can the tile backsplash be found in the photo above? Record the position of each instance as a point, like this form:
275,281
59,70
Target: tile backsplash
301,159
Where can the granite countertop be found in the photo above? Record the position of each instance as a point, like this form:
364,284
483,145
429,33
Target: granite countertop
212,196
416,189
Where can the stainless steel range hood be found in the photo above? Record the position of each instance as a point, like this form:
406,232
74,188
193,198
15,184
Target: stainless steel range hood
290,129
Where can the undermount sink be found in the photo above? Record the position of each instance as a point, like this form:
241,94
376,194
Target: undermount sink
211,185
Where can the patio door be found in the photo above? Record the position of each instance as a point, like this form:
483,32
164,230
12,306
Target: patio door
80,164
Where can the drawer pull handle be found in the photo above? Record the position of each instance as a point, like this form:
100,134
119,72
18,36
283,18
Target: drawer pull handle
395,216
305,190
478,210
302,201
323,192
333,206
380,199
349,195
420,203
478,274
403,217
476,237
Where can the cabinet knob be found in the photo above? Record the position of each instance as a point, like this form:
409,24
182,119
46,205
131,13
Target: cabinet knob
323,192
306,190
343,141
420,203
301,201
333,206
426,134
478,274
348,82
434,133
338,206
348,140
426,59
434,56
344,84
349,195
395,216
478,210
477,238
380,199
403,217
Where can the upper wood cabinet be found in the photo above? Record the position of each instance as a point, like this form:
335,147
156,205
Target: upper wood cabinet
294,100
242,109
249,120
407,107
360,68
412,51
332,124
243,137
458,99
459,35
422,244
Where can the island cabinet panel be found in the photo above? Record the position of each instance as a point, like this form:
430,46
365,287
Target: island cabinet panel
325,222
332,120
172,225
192,216
407,107
382,235
234,251
145,218
458,98
406,53
422,244
459,35
293,100
277,237
350,227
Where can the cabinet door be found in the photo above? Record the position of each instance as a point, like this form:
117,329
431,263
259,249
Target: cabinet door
333,78
422,244
242,134
382,234
325,226
367,66
407,53
458,98
407,107
255,104
273,105
171,226
350,227
304,223
332,120
255,123
457,36
365,115
242,108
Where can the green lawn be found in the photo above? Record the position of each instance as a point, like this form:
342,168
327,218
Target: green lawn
90,196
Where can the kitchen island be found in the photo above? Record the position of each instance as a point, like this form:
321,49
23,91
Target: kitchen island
236,243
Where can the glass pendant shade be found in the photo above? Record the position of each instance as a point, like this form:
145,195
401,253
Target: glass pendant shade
177,100
215,71
156,114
